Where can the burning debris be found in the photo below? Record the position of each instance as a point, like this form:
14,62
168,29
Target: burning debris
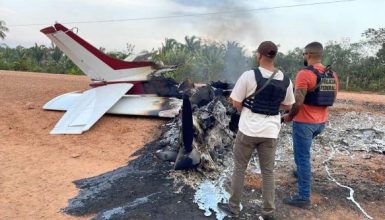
205,135
152,187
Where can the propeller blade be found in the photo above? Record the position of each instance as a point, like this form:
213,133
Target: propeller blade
187,124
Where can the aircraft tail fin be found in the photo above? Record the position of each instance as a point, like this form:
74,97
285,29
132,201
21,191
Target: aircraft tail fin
94,63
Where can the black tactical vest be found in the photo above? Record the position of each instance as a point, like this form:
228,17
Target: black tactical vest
268,101
325,92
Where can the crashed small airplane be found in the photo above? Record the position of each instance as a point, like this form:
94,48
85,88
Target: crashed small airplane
131,88
117,86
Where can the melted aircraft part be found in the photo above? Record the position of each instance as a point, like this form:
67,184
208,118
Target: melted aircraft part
202,96
162,86
188,160
210,192
187,157
208,195
187,124
166,155
222,88
186,85
158,85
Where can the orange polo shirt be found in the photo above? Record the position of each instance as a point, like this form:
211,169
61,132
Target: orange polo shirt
306,79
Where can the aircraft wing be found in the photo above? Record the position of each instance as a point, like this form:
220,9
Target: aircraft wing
140,105
90,106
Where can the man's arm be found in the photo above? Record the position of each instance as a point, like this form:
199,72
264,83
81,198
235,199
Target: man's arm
240,90
299,95
237,105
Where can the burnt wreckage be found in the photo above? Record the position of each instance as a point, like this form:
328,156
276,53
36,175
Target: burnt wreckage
198,141
187,138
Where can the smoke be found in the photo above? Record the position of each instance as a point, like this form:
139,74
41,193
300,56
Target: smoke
235,28
233,25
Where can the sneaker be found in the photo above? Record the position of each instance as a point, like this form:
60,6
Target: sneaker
297,202
226,208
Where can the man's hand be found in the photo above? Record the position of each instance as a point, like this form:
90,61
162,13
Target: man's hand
237,105
286,118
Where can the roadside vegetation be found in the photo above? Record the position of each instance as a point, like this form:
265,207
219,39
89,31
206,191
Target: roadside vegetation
360,65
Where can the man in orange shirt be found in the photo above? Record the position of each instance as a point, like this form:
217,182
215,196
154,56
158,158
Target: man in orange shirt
315,89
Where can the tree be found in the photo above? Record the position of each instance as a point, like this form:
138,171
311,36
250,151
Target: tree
38,53
205,61
235,61
373,40
3,29
375,37
381,54
209,63
192,44
291,62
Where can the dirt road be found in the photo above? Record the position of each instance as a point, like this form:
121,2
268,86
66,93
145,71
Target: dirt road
36,168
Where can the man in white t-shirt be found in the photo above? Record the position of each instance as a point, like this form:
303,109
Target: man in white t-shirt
259,125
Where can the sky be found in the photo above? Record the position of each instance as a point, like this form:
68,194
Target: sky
253,21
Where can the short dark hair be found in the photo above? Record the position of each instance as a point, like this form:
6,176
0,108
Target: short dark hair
314,48
268,49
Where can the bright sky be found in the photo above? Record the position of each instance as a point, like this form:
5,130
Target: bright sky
289,27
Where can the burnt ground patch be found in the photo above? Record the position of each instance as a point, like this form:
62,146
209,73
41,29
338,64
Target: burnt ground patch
144,189
141,190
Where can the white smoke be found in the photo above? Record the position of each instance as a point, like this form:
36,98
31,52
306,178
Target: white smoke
232,23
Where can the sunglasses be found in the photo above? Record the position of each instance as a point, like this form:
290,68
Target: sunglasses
306,53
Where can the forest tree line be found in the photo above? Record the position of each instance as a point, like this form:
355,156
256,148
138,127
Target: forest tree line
360,65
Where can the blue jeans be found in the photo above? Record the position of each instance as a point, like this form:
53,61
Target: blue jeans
303,135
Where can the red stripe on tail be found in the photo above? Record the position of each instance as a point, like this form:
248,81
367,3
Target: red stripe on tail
114,63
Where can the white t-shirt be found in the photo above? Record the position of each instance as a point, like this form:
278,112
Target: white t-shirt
253,124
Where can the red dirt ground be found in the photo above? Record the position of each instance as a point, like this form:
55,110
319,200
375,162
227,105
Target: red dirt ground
37,169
